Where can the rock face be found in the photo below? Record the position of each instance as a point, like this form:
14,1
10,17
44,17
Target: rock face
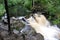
28,32
29,35
5,36
35,37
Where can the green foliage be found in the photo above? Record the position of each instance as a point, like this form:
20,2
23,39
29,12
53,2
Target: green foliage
50,5
2,10
13,2
28,4
53,7
25,3
20,7
18,11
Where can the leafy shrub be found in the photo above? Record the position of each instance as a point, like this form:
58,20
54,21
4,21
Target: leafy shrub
51,6
2,10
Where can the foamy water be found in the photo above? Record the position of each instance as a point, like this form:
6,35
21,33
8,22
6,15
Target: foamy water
43,26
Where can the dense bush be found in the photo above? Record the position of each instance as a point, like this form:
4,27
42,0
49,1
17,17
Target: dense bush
52,7
20,7
2,10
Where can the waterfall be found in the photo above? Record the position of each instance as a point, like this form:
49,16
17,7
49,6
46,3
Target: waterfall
43,26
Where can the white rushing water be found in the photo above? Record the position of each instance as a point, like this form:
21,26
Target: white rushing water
42,26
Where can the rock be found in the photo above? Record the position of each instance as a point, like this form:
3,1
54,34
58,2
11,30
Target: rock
28,30
4,33
36,37
39,36
15,31
4,19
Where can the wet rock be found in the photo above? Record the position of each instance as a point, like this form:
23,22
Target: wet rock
27,30
30,34
15,31
39,36
4,33
36,37
4,19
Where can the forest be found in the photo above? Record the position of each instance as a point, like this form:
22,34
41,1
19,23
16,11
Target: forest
51,8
